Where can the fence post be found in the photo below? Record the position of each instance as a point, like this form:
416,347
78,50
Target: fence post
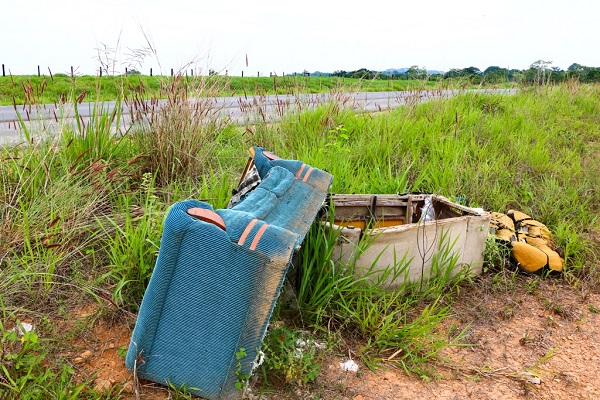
258,75
226,72
38,70
71,71
3,74
125,70
171,71
242,74
192,72
100,72
150,71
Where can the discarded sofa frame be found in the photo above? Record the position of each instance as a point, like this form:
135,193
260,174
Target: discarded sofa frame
217,277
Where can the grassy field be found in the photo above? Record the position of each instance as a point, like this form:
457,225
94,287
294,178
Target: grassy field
81,216
60,88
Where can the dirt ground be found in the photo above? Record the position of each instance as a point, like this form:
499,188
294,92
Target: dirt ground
527,338
535,340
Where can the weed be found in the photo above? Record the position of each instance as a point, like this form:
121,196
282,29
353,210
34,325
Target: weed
532,285
291,355
132,244
496,255
242,377
25,370
180,392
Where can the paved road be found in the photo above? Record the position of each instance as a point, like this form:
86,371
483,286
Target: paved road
49,119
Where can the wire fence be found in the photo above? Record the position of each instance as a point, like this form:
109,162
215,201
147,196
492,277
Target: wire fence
191,72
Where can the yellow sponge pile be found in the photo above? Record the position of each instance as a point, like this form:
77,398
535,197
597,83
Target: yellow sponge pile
530,241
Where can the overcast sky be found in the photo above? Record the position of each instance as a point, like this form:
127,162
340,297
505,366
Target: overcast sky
282,37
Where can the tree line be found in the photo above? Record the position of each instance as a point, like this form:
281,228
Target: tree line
538,72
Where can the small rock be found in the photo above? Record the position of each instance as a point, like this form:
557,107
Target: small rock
86,354
103,385
531,378
78,360
111,345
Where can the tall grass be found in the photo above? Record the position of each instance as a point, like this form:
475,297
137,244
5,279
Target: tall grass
179,139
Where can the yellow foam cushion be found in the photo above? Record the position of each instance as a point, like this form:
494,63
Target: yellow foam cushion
529,258
517,216
501,221
555,262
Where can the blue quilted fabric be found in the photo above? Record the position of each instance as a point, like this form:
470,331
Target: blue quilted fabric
212,291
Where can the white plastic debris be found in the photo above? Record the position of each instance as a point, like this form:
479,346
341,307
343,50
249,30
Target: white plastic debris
428,212
23,327
310,343
260,358
478,210
349,366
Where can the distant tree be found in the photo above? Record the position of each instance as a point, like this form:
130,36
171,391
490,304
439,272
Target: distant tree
542,71
515,74
340,73
558,74
577,71
584,73
593,74
471,73
495,74
362,73
492,69
415,72
452,73
575,67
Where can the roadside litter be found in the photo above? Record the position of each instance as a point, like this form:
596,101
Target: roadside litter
219,272
410,226
349,366
23,327
529,241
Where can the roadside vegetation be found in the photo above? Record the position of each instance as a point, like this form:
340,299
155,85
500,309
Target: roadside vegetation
60,88
81,217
